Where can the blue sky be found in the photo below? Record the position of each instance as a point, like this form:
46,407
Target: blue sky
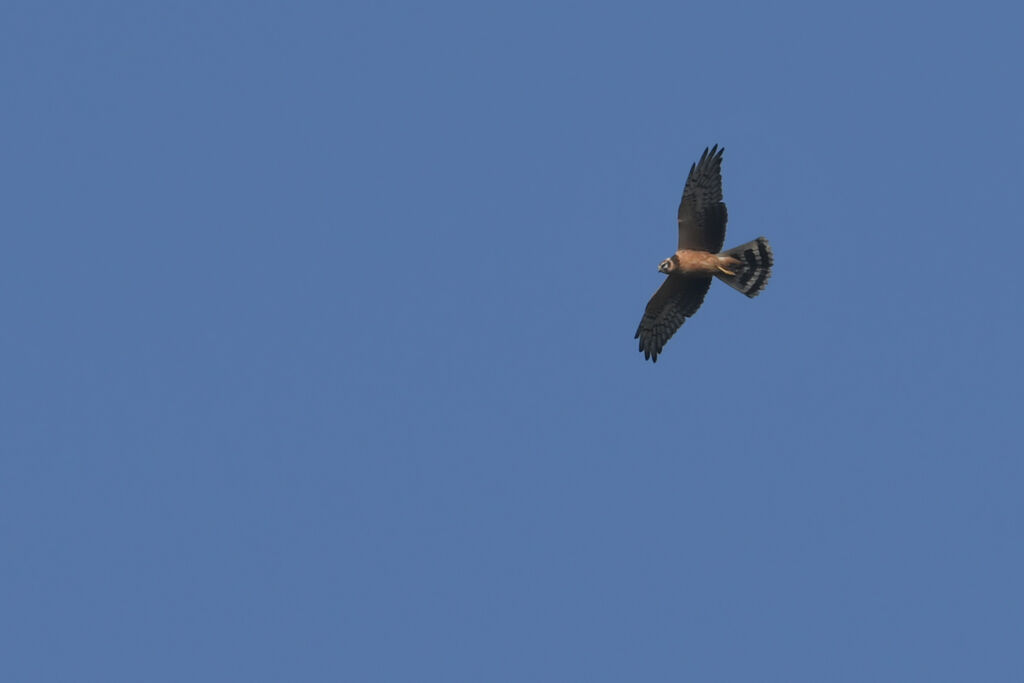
319,361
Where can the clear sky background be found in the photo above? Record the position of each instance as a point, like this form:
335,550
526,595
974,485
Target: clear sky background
319,362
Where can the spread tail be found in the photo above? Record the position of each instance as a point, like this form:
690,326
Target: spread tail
755,267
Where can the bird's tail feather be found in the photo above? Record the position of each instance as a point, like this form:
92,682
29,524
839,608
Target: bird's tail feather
755,267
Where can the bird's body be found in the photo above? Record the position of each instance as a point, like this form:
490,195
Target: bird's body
694,262
702,217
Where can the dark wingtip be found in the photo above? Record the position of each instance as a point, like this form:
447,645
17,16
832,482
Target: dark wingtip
711,155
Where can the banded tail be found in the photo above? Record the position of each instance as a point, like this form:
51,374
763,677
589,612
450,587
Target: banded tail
755,267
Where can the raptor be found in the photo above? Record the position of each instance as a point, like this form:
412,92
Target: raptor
699,258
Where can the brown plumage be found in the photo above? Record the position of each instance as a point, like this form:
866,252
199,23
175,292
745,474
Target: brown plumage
702,217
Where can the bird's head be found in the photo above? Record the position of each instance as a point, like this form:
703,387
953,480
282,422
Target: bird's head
666,266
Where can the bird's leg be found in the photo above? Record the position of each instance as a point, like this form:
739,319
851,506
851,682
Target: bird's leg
729,261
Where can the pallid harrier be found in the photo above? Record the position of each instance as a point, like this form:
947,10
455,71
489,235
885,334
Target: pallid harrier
702,218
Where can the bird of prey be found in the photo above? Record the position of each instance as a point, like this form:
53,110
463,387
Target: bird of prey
702,218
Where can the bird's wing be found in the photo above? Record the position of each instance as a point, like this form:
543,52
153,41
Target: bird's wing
702,214
677,299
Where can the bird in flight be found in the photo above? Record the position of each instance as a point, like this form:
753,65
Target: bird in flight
702,218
